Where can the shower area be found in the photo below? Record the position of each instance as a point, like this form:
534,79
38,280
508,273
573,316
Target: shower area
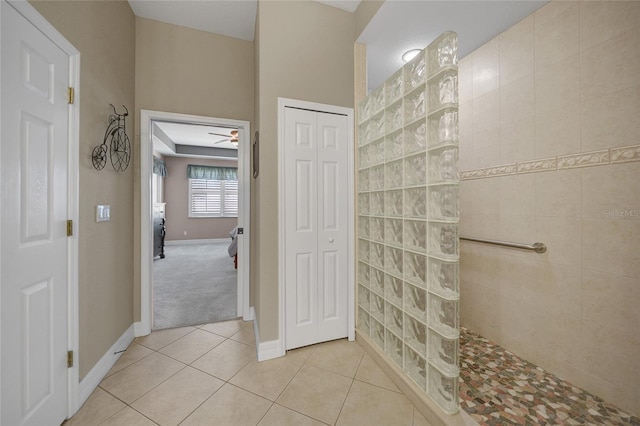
533,137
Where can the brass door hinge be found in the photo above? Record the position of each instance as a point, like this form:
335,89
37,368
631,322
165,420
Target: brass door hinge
69,228
69,359
72,95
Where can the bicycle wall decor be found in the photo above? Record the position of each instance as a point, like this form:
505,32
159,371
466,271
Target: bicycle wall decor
115,143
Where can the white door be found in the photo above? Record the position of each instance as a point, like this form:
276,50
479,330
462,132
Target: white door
317,234
33,254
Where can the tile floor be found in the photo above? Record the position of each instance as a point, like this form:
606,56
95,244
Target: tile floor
208,375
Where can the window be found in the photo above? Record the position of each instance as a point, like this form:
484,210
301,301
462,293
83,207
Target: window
213,198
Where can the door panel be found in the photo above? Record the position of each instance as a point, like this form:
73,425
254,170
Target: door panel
33,262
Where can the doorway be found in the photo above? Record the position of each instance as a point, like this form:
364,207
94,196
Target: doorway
148,118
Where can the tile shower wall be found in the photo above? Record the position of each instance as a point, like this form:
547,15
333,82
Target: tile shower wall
550,151
408,219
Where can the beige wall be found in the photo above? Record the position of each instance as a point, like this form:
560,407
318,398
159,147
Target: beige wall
104,34
176,195
308,56
187,71
563,82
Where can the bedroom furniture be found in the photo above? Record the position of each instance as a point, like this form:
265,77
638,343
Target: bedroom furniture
159,230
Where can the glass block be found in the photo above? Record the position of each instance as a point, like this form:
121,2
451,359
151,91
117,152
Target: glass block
377,126
443,164
393,232
363,180
393,261
443,202
364,134
377,333
376,152
415,104
444,390
393,145
443,353
364,274
443,127
393,203
376,255
393,348
415,334
376,100
376,206
415,137
415,269
363,226
363,109
443,239
443,52
414,72
415,366
393,174
363,250
415,169
377,307
393,117
443,278
377,281
376,178
376,229
393,317
415,235
393,87
393,289
443,315
364,322
363,298
363,203
363,157
415,301
443,91
415,202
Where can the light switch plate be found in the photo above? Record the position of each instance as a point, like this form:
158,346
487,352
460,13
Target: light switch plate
103,213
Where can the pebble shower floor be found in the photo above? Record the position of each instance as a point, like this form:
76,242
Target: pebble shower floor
498,387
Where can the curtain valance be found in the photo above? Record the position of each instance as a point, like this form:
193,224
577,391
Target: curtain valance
159,166
212,173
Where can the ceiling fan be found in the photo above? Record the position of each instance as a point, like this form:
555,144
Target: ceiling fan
231,137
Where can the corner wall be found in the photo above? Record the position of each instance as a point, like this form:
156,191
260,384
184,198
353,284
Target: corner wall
552,101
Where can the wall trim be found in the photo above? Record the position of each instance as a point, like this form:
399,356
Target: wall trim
266,350
603,157
202,241
102,367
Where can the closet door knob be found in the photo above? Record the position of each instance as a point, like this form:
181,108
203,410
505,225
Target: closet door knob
330,240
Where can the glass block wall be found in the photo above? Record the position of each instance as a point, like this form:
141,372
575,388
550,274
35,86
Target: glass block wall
408,291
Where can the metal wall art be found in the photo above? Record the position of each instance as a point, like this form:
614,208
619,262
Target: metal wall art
115,143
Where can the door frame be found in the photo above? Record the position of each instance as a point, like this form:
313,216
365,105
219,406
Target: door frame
37,20
147,117
331,109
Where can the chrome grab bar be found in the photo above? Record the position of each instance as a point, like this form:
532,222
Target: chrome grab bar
537,247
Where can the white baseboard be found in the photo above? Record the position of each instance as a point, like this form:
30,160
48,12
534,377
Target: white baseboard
266,350
139,330
102,367
250,316
203,241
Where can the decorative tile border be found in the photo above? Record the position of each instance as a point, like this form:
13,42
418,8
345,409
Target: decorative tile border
586,159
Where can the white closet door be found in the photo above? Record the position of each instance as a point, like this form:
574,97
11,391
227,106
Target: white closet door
316,269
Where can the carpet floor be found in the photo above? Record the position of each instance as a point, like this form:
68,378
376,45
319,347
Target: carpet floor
194,284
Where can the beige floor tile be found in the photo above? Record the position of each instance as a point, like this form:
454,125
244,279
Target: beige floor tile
161,338
267,378
192,346
281,416
128,417
134,352
225,328
371,373
316,393
340,356
172,401
419,419
226,359
139,378
301,354
367,405
98,407
246,335
230,406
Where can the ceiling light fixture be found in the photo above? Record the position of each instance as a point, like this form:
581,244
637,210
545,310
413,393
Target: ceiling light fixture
410,54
